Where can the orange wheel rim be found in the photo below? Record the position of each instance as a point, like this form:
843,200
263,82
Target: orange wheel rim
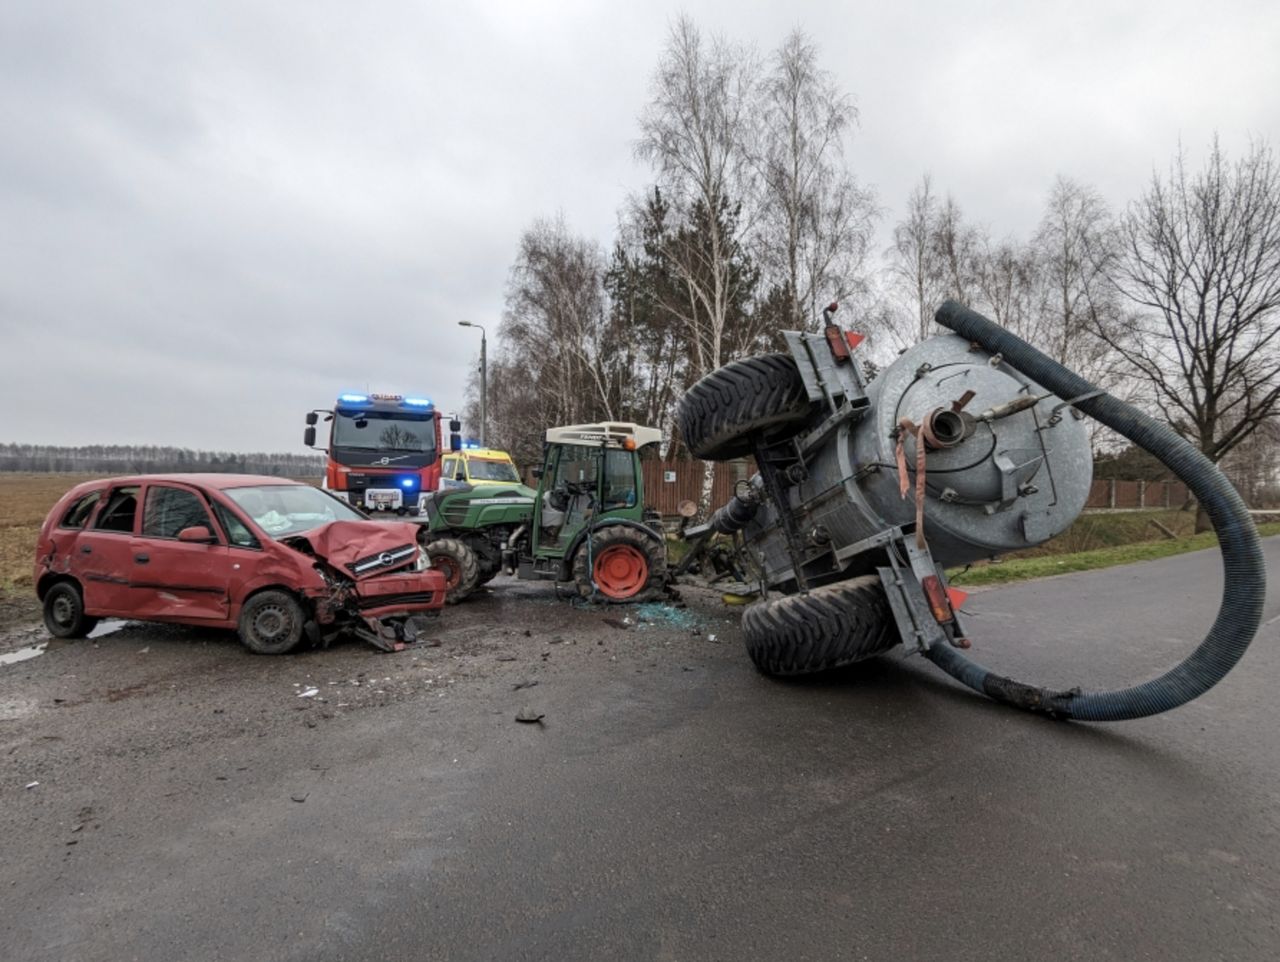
621,571
451,572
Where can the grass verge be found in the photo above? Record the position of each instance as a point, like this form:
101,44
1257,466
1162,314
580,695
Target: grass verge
1022,569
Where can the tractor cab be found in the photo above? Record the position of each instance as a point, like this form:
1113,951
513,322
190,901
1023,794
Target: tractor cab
591,495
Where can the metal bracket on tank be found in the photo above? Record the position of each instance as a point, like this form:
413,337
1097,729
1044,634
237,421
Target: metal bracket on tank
904,586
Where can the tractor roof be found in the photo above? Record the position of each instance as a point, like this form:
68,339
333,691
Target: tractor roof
610,433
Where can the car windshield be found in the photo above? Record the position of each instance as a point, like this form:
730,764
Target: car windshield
483,470
288,509
376,431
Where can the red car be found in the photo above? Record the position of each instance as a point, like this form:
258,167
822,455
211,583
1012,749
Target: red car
274,559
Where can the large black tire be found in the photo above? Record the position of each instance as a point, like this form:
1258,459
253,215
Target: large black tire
627,565
271,623
830,626
64,615
488,557
762,394
458,564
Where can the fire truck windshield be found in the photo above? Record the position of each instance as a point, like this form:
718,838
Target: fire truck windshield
378,431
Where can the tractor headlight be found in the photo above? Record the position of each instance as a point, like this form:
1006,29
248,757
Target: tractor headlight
423,562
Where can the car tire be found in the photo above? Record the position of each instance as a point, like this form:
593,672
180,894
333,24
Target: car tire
830,627
458,564
762,395
620,565
64,615
271,623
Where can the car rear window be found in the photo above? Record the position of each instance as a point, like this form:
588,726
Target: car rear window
119,511
169,510
77,516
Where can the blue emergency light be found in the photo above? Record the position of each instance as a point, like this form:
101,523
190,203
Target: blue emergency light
407,482
418,402
354,398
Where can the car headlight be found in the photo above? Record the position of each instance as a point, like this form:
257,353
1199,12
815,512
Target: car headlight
423,562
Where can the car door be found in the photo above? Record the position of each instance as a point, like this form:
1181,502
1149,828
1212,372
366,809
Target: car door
101,557
183,580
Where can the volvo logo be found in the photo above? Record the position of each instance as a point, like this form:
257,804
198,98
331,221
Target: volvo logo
385,558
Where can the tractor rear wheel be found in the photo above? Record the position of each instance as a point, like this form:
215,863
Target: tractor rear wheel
620,565
458,564
761,394
829,627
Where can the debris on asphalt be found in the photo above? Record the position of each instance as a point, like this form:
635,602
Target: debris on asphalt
31,785
664,615
506,658
298,798
524,683
309,693
616,623
530,717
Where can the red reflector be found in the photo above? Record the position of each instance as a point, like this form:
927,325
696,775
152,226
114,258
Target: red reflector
854,339
839,349
957,598
939,604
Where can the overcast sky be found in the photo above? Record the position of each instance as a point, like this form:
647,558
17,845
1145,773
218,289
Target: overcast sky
214,217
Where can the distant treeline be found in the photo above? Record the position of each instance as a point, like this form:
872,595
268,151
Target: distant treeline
139,459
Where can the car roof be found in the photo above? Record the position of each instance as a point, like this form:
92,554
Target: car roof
208,480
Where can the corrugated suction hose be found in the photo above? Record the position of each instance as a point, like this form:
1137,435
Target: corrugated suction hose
1244,572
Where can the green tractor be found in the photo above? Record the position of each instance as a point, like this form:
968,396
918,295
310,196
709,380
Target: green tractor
586,523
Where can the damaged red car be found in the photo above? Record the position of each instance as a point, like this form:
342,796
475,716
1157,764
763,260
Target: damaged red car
277,560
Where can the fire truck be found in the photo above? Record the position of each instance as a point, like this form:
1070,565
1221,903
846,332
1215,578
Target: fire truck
383,450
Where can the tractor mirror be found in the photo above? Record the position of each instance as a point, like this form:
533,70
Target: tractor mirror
312,417
309,436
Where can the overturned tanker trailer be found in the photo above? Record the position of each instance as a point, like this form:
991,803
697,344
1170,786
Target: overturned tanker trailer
969,445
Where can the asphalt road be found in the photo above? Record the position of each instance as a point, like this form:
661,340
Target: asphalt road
672,805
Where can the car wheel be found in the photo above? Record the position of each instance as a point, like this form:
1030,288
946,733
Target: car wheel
64,612
271,623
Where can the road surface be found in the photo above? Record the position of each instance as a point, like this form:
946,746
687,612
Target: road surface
193,803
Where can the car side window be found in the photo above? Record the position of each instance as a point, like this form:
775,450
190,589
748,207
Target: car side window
77,516
169,510
237,532
119,511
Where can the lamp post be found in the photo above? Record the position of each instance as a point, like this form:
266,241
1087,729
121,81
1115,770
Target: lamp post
484,382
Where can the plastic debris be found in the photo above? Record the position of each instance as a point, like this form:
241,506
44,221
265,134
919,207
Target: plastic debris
32,784
530,717
309,693
524,683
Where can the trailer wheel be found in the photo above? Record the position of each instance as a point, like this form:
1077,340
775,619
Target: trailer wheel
755,394
271,623
64,615
458,564
626,566
829,627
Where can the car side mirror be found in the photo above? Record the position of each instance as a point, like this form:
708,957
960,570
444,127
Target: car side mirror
197,534
309,437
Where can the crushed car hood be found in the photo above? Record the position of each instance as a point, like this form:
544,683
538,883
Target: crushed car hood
363,548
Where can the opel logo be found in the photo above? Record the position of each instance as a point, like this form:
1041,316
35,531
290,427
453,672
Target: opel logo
385,558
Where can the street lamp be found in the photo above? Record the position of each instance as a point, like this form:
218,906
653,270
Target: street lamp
484,382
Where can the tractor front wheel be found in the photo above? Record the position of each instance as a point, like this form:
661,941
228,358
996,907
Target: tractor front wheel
458,564
620,565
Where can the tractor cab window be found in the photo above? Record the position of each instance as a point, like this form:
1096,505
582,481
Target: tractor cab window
577,468
619,489
571,495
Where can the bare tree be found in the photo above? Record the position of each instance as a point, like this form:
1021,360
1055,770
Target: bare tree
1200,263
816,220
553,366
697,132
912,259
